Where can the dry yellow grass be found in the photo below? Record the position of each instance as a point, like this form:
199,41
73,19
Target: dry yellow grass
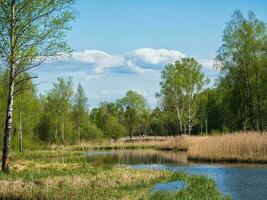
243,147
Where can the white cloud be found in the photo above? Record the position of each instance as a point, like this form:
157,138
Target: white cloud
138,69
98,59
156,56
139,61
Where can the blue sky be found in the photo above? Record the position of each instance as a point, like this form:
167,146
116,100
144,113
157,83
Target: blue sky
124,44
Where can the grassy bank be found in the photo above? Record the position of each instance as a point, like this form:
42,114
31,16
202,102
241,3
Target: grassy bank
169,144
66,175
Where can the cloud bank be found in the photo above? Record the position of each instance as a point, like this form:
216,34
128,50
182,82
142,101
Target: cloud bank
106,76
138,61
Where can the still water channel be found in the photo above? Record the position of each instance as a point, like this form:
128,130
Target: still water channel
241,181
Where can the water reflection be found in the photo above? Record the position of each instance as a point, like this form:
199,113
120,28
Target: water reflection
130,157
241,181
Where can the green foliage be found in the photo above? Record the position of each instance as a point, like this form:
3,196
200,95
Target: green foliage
134,101
156,127
90,132
242,61
180,87
39,30
113,129
133,110
65,116
210,110
106,117
81,118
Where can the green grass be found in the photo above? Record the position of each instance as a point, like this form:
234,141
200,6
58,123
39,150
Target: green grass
68,175
199,187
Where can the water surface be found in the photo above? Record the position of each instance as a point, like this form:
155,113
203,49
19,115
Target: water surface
170,186
241,181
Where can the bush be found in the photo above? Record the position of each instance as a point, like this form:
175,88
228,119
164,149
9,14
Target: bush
114,130
91,132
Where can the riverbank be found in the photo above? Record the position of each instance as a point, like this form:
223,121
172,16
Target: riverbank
68,175
235,147
121,145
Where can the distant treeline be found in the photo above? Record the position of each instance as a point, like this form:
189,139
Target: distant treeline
187,102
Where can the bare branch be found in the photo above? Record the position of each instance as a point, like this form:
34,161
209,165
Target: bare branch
25,79
28,68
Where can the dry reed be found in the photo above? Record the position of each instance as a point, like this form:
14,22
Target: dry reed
234,147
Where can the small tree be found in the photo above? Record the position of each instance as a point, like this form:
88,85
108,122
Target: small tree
132,107
80,110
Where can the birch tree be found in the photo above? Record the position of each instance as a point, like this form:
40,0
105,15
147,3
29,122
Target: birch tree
180,87
30,32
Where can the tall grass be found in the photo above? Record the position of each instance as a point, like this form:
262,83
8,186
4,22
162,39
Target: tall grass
240,146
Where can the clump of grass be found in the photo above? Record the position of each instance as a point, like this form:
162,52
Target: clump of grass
199,187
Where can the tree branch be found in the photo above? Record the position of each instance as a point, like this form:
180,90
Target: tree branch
28,68
25,79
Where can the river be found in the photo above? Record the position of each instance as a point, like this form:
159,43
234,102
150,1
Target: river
241,181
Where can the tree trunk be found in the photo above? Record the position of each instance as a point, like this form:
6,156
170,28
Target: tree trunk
259,97
8,124
10,99
63,131
249,99
251,111
56,131
201,127
206,127
79,134
79,130
131,134
189,119
178,111
20,125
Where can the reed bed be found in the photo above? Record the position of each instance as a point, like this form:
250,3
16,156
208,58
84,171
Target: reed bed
234,147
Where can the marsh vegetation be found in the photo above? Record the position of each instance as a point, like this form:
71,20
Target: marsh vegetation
46,136
61,175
